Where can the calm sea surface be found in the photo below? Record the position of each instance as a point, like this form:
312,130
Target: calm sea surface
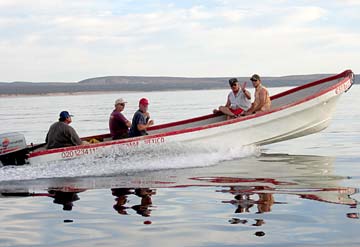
303,192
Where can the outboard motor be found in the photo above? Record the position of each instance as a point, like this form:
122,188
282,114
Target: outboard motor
13,149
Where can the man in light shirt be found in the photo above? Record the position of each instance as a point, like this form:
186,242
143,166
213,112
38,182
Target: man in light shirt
238,100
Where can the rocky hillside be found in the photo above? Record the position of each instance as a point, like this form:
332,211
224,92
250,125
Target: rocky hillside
142,83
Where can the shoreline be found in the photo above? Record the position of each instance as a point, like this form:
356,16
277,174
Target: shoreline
98,92
111,92
62,94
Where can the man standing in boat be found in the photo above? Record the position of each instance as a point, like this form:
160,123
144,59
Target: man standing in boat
141,120
238,100
61,134
262,102
118,124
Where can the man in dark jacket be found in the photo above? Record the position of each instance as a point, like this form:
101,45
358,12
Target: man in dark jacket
61,134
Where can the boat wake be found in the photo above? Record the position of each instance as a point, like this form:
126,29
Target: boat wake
132,160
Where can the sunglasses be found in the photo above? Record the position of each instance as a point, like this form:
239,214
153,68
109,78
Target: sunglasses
233,85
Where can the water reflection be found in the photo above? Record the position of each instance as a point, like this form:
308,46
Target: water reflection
259,200
251,186
244,200
65,197
121,195
144,208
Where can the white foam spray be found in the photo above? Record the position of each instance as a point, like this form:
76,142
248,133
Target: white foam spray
131,160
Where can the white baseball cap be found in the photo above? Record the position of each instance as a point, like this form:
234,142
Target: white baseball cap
120,101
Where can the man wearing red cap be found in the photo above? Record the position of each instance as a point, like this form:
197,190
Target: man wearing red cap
141,120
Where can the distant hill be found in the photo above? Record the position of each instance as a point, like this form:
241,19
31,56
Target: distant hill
144,83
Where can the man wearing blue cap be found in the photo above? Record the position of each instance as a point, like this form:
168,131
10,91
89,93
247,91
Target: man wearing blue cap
61,134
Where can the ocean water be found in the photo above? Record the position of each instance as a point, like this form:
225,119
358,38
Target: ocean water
303,192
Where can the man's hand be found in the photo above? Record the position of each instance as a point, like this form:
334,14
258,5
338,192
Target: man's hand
243,86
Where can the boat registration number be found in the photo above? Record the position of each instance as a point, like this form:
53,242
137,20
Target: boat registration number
77,152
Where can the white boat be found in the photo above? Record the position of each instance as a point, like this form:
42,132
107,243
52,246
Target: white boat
294,113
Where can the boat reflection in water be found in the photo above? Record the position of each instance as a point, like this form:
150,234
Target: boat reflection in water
122,194
260,200
63,196
251,185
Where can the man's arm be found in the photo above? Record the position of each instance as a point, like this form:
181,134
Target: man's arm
144,123
120,117
147,117
142,127
75,139
228,104
247,94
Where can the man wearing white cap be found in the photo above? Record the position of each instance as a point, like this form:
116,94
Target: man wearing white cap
118,124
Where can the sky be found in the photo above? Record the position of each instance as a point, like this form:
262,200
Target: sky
72,40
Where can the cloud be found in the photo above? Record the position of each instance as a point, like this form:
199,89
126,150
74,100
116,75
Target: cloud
349,2
70,41
303,15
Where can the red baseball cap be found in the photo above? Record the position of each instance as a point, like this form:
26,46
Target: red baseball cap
144,101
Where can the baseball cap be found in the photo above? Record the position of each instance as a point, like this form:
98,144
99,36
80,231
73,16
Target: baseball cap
144,101
65,114
232,81
120,101
255,77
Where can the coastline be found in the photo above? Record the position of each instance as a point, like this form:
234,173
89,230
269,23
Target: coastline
126,84
63,94
98,92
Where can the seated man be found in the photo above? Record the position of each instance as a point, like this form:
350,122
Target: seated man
262,102
141,120
238,100
118,124
61,134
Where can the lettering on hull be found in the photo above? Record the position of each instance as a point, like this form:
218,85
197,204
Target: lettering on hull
343,87
155,140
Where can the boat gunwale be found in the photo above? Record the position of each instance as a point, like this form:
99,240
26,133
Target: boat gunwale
346,75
